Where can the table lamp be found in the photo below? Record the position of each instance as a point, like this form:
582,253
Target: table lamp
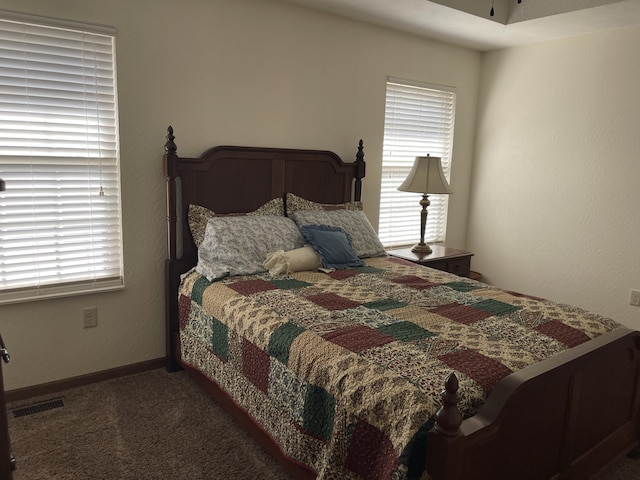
426,177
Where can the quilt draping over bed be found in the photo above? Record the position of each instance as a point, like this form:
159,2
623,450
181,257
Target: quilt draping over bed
344,369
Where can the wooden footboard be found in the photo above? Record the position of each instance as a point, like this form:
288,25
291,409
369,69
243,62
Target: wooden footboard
567,417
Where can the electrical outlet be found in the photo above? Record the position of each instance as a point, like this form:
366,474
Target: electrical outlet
635,298
90,317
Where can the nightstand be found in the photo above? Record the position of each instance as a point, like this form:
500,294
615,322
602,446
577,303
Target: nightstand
441,258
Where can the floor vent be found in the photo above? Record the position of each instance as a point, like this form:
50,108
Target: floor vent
38,407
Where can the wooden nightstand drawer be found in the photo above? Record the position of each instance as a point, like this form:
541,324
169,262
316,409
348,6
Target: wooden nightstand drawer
460,267
444,266
441,258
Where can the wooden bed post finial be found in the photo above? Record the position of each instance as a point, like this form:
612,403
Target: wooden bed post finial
360,154
449,418
170,147
360,171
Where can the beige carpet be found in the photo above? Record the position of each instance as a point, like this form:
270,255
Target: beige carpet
154,425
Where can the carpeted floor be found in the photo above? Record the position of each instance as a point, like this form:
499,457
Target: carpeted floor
155,426
149,426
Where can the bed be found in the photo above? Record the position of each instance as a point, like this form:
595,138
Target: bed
370,366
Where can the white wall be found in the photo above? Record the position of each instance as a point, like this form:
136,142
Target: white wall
248,72
556,176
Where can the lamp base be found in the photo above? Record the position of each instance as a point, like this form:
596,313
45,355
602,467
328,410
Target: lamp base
421,248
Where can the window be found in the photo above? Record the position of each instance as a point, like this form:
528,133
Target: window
60,222
419,120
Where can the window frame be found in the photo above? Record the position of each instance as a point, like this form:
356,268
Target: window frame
57,151
413,128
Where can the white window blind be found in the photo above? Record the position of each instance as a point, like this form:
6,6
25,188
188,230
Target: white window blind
60,222
419,120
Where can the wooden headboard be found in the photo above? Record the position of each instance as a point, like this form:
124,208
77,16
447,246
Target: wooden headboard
233,179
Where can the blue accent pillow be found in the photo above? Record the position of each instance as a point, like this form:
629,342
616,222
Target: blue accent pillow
333,244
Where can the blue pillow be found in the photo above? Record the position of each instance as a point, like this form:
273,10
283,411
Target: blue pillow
333,244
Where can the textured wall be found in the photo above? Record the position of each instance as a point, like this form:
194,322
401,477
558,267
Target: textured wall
556,176
249,72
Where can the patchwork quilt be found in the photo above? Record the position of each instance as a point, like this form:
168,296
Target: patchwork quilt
344,369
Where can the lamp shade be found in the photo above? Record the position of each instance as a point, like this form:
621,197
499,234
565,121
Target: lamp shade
426,176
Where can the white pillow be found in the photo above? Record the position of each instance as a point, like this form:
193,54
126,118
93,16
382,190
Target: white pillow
301,259
239,245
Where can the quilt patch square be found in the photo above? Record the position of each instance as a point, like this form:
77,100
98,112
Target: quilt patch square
249,287
405,331
358,338
370,454
319,408
198,289
527,319
436,346
287,391
385,304
414,282
495,307
331,301
343,274
290,284
563,333
281,339
461,313
484,370
219,339
365,316
255,365
184,307
368,269
462,286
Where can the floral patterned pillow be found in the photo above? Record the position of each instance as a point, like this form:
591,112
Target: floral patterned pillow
293,204
198,216
238,245
354,222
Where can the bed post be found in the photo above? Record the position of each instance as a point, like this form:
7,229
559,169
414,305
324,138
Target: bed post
171,300
444,439
359,172
170,150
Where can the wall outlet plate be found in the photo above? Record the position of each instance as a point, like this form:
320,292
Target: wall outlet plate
634,299
90,317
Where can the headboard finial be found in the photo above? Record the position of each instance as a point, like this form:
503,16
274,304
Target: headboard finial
359,171
170,147
360,154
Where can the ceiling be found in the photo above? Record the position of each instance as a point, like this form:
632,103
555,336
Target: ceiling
468,22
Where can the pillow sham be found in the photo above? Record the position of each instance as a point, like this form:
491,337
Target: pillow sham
238,245
198,216
293,204
301,259
333,245
354,222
